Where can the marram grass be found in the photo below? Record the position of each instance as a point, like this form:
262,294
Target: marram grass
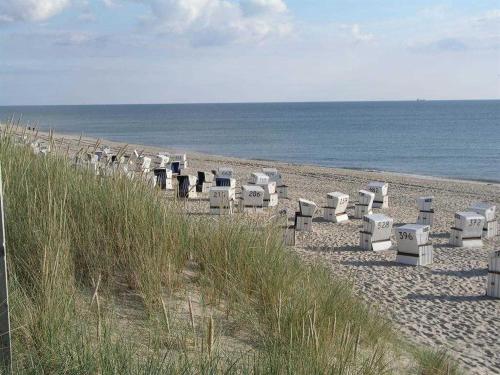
77,243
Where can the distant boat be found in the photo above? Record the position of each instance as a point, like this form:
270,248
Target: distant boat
421,100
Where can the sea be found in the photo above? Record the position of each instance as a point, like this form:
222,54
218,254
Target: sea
455,139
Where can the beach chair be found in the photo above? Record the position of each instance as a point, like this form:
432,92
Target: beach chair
226,172
425,211
414,247
336,206
163,178
303,217
269,187
488,210
252,198
380,189
225,181
161,160
275,176
258,178
205,181
364,205
187,186
181,159
467,230
376,232
221,200
175,167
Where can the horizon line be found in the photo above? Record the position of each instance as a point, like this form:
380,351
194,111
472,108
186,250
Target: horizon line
420,100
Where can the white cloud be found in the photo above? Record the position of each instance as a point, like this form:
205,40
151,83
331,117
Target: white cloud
359,36
30,10
356,33
216,22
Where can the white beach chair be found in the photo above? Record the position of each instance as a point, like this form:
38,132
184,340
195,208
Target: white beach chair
425,210
467,230
303,218
488,210
414,247
221,200
380,189
252,198
364,205
336,206
376,232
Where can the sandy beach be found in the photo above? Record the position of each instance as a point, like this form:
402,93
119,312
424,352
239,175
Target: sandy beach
443,304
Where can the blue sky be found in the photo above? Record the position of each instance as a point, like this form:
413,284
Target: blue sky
171,51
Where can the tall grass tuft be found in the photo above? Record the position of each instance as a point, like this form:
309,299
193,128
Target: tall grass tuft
300,310
436,362
88,225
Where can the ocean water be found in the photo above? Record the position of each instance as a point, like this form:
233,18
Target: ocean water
459,139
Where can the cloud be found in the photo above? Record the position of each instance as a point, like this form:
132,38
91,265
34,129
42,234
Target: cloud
218,22
354,32
30,10
360,36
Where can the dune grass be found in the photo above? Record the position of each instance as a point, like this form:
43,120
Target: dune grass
78,243
436,362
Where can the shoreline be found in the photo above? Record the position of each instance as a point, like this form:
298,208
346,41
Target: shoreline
282,162
375,170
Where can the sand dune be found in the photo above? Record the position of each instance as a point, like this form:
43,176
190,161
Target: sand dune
443,304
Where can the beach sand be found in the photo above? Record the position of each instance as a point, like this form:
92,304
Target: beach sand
443,304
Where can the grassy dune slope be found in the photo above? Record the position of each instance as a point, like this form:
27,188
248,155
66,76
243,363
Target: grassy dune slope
108,277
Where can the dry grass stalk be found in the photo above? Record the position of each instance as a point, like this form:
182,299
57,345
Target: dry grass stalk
165,314
191,316
95,297
210,333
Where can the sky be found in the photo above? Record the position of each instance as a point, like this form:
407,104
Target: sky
191,51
